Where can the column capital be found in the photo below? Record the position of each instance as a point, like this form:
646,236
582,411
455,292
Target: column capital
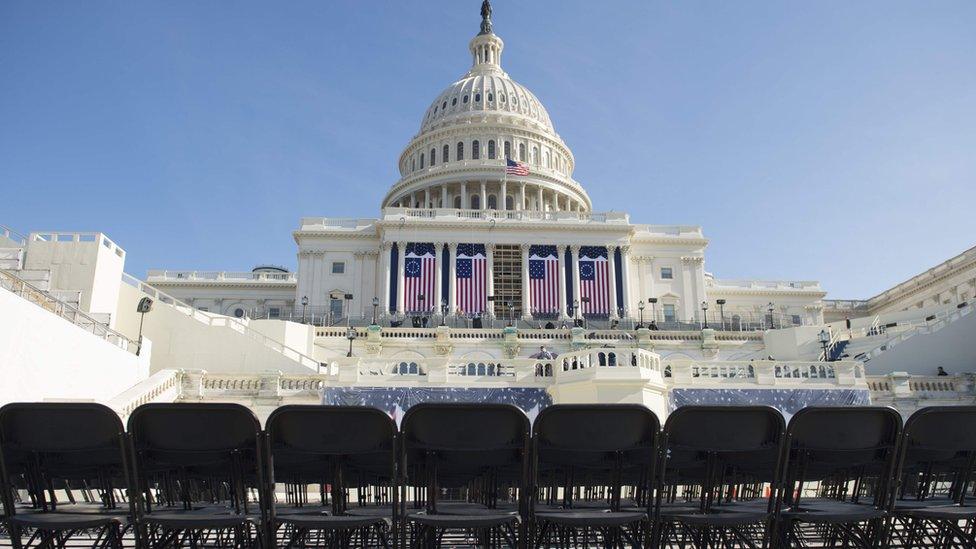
561,248
575,248
489,246
625,249
386,245
452,246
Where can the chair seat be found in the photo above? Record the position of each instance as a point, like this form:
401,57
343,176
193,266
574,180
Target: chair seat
370,511
331,522
832,511
313,510
909,504
944,512
591,518
197,519
739,517
63,521
462,521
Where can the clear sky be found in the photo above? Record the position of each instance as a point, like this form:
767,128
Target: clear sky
812,140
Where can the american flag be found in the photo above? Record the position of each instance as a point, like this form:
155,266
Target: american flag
594,280
420,275
471,282
516,168
544,279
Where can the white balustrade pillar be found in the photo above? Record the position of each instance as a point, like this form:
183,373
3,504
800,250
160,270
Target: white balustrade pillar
503,195
484,195
439,269
574,265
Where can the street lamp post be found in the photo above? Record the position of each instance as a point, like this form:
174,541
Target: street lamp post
640,310
348,298
704,307
575,315
443,312
653,302
721,311
350,335
824,341
511,313
586,323
770,307
376,303
304,306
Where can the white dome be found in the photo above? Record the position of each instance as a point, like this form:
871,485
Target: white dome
481,93
458,158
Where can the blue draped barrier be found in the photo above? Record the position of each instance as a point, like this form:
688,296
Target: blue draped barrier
787,401
397,400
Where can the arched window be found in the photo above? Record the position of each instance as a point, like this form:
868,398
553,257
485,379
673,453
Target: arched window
481,369
535,155
548,161
421,161
460,151
475,150
492,202
491,97
444,106
491,149
521,154
457,202
464,99
472,369
475,202
445,153
433,156
501,98
414,369
454,101
508,149
477,98
509,202
413,164
491,369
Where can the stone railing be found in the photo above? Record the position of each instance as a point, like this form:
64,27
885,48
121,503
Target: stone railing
580,335
67,311
530,216
769,373
768,284
615,361
156,275
902,385
10,234
163,386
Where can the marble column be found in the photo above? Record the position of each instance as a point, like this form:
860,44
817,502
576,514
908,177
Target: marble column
613,280
401,256
574,265
490,275
526,301
439,269
561,253
426,198
625,279
503,195
521,200
539,199
452,287
464,196
444,203
484,195
385,248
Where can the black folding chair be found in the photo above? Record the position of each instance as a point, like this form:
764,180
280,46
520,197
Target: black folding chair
478,453
199,473
350,450
839,479
594,470
719,476
60,453
934,505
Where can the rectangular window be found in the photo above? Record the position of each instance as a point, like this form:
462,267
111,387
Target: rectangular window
338,267
274,312
669,313
797,321
667,274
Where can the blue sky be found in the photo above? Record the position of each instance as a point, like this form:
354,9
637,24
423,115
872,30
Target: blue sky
812,140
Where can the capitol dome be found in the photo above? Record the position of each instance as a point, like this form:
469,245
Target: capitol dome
458,158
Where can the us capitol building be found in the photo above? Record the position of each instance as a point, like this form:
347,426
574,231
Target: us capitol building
530,246
488,276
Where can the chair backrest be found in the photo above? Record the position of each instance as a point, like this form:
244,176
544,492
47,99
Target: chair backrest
209,452
938,453
71,446
340,446
593,450
450,445
850,450
723,452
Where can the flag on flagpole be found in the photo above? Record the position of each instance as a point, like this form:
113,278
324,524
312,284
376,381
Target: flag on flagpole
594,280
420,276
471,281
543,279
516,168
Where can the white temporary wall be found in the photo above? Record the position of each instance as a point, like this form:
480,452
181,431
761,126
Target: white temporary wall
45,357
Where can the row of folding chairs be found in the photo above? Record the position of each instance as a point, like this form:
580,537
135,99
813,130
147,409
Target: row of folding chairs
208,475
